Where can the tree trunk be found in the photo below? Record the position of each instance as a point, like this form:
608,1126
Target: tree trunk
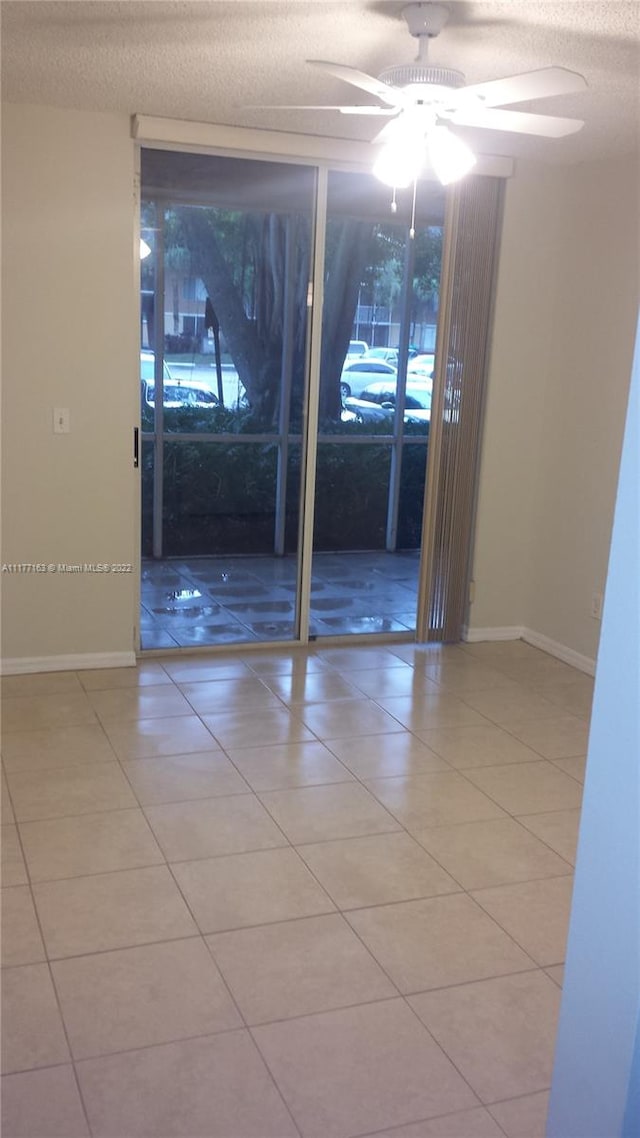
340,302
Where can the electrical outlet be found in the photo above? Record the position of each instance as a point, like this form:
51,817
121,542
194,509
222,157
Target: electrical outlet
596,606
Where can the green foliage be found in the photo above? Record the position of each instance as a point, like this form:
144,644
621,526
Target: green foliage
219,498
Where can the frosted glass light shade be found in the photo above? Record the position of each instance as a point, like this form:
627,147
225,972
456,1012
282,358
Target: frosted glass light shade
399,163
451,158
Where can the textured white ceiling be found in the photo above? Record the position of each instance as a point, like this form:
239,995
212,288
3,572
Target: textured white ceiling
208,60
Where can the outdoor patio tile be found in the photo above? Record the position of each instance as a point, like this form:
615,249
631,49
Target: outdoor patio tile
151,638
357,625
224,633
275,629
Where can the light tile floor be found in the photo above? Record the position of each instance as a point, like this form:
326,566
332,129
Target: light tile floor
312,893
235,600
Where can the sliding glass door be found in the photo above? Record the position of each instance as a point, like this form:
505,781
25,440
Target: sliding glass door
378,350
297,412
223,374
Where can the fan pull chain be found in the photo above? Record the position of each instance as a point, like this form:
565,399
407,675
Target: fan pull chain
412,231
394,204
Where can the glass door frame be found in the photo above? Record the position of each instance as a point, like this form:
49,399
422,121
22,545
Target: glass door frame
310,438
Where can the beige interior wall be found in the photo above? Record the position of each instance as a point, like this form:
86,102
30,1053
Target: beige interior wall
518,367
565,315
559,370
596,308
69,340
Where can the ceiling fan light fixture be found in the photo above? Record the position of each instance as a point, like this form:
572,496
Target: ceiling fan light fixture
399,162
450,157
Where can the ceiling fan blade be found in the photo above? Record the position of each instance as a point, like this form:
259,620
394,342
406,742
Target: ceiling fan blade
530,85
389,95
351,110
369,110
546,126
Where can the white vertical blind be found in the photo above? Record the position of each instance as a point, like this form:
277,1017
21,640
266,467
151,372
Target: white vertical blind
466,299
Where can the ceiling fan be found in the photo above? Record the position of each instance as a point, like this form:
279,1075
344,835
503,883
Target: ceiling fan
421,101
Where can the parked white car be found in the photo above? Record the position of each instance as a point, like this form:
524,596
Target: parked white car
388,355
421,365
360,373
357,348
178,392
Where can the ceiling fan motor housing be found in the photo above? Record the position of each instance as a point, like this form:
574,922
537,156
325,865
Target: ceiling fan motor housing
405,74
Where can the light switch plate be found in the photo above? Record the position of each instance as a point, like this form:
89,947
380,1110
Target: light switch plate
61,421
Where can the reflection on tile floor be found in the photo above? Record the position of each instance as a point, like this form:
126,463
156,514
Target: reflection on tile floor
223,600
287,894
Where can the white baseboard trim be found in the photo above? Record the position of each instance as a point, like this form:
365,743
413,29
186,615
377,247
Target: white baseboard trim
476,635
554,648
23,665
537,640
